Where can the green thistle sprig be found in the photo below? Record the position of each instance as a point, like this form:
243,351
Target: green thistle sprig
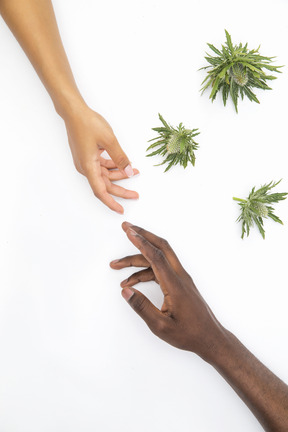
235,71
257,206
175,144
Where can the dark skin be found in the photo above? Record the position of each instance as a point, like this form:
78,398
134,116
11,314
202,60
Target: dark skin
186,322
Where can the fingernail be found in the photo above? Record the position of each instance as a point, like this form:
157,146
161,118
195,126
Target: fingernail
132,232
127,293
115,261
129,171
124,282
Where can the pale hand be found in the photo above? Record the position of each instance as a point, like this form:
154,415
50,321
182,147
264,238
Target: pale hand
89,134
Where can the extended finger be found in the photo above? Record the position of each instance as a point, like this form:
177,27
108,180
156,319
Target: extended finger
158,261
159,243
130,261
119,191
141,276
99,189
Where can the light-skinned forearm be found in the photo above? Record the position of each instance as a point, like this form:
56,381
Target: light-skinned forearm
34,25
262,391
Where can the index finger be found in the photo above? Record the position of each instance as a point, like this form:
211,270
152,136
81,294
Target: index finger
159,243
156,258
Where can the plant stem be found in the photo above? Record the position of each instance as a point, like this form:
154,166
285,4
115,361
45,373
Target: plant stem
239,199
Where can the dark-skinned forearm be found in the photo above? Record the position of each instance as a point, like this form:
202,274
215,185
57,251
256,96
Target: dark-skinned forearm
186,321
263,392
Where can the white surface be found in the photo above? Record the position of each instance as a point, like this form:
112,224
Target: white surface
74,356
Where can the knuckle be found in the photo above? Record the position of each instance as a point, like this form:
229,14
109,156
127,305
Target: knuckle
150,272
105,171
158,255
79,169
139,303
98,192
128,280
144,243
134,278
127,260
122,161
164,244
161,327
87,166
110,140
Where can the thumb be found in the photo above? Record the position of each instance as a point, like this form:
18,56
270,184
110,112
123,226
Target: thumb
120,158
143,307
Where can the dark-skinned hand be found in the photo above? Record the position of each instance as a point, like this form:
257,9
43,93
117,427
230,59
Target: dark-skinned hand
185,320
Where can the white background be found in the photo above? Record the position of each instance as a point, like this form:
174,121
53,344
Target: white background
74,356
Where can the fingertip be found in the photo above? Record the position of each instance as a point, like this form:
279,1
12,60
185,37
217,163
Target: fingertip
134,195
129,171
107,199
133,172
130,231
127,293
114,263
119,210
126,225
130,194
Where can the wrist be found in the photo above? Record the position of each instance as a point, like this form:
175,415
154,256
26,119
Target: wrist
68,104
219,344
226,350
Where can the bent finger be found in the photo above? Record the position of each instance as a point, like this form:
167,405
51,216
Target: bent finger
130,261
115,175
159,263
141,276
120,158
99,189
107,163
160,243
145,309
121,192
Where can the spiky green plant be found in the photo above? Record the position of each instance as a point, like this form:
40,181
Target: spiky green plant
256,207
235,70
175,144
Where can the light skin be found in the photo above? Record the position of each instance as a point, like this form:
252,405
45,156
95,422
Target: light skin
34,25
186,322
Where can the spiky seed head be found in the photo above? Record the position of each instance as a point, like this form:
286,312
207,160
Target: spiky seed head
173,145
257,206
176,144
238,74
260,208
236,70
